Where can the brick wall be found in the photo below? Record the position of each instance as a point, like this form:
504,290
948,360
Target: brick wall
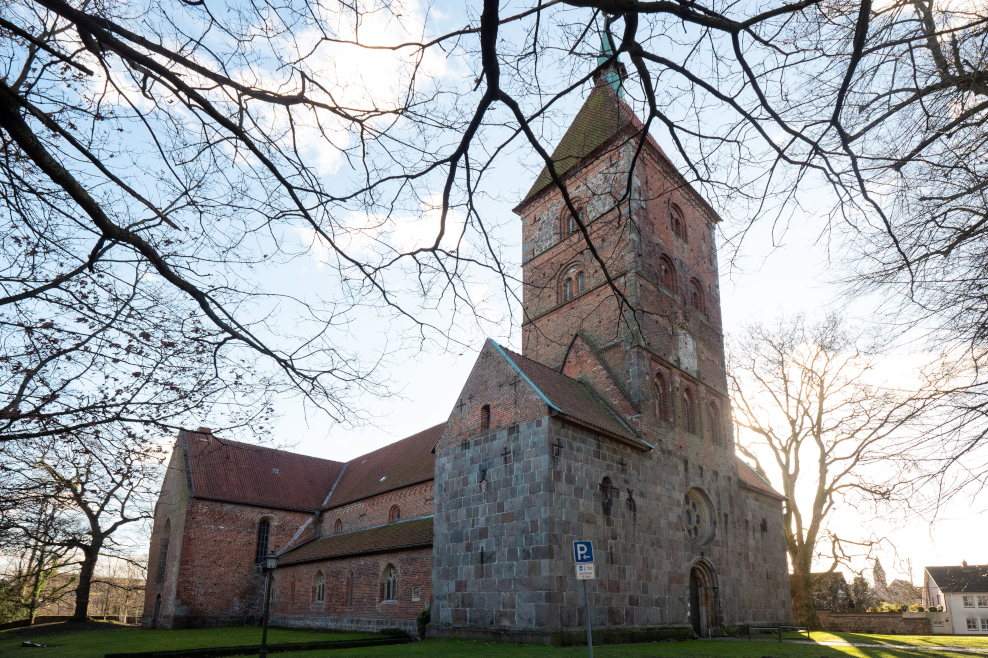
883,623
294,592
413,502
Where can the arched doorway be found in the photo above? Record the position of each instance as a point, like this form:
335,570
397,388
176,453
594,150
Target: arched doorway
703,598
157,611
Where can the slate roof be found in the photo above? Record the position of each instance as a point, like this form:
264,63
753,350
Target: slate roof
571,397
403,534
220,469
755,481
973,578
396,465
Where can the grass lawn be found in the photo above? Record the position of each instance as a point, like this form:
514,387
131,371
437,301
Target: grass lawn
108,639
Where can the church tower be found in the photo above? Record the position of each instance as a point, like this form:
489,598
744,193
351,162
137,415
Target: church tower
643,294
611,426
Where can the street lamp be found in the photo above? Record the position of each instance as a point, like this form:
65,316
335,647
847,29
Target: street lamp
269,564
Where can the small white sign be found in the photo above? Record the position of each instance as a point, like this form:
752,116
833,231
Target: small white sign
586,571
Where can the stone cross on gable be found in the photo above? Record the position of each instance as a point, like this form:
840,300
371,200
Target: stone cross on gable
557,448
460,405
505,454
514,385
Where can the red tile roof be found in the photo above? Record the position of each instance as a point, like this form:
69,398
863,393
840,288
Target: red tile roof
755,481
404,534
221,469
397,465
572,398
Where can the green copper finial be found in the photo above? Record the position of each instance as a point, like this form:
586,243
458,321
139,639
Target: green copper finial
611,72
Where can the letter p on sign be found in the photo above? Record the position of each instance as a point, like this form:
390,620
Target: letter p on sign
583,551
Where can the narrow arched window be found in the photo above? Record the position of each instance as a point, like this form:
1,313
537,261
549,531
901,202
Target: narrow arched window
338,526
389,584
579,283
319,587
395,514
696,296
661,396
163,551
667,273
678,222
485,417
263,536
689,411
714,421
568,287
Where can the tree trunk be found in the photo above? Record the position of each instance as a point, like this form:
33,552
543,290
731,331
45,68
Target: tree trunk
90,555
803,603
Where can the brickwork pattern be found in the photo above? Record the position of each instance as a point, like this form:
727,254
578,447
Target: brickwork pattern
414,501
295,601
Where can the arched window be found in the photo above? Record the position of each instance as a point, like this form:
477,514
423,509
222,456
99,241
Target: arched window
263,536
678,222
395,514
667,273
163,551
573,284
338,526
661,396
714,421
485,417
348,589
696,296
607,495
389,584
319,587
689,411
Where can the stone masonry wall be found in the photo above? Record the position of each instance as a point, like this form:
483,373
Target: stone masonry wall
882,623
294,592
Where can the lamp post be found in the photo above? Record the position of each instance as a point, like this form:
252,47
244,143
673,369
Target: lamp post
269,564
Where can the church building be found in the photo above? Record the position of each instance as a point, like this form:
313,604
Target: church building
613,425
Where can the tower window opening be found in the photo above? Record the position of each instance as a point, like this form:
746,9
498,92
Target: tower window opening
689,411
485,417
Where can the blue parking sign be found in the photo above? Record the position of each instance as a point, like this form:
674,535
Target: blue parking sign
583,551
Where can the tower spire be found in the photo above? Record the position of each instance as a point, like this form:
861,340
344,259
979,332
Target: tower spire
612,74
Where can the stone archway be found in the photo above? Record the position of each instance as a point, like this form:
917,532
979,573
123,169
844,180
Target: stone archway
704,594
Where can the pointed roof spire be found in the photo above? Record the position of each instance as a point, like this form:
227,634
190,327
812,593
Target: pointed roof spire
613,73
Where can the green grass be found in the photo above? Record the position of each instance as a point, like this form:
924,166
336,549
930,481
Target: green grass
95,643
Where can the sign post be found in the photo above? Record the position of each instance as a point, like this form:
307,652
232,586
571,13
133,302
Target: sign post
585,570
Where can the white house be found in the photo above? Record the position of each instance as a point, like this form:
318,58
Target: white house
963,593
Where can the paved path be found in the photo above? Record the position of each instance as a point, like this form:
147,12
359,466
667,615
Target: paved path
876,645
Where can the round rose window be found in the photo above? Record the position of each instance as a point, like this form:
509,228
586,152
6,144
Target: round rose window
697,517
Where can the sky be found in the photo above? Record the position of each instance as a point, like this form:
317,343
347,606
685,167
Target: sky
774,275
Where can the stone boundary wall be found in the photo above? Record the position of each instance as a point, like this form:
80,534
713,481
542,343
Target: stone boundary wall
882,623
344,623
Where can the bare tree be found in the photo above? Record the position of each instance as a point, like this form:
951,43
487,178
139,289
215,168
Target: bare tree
194,144
811,407
101,484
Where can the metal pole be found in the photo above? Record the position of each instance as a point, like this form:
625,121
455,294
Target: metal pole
586,613
263,653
